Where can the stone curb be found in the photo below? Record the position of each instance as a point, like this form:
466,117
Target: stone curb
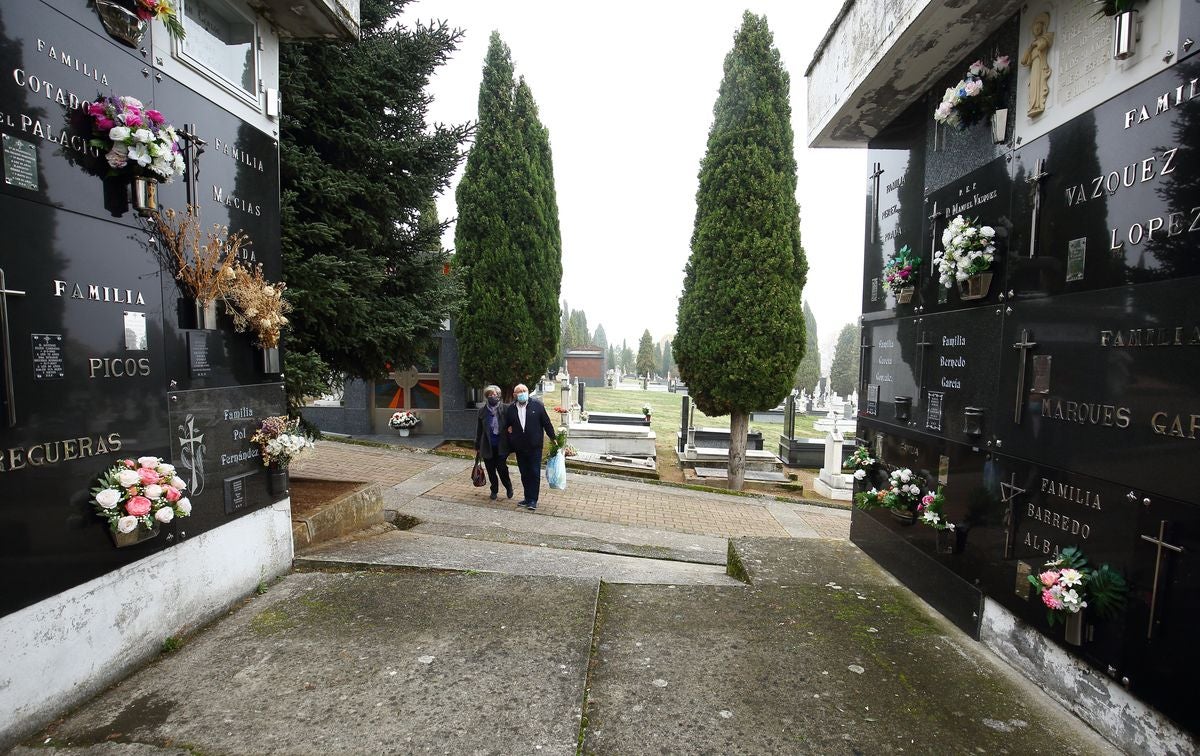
346,514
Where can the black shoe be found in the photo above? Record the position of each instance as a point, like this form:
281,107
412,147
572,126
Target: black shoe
509,493
522,503
493,496
531,506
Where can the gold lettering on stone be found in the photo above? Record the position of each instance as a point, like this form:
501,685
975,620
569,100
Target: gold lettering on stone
54,452
1086,413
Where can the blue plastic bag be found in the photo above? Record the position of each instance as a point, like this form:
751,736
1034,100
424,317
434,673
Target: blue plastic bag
556,471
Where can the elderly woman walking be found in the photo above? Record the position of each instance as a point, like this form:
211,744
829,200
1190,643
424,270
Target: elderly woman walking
492,443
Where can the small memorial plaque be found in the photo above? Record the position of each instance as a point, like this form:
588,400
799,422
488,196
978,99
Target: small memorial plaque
873,399
933,410
198,362
20,163
1024,570
135,332
1076,258
874,289
47,356
1041,373
943,470
235,492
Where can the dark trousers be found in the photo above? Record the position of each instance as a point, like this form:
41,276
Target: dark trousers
529,462
498,467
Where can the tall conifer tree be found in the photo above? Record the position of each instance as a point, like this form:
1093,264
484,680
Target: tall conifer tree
645,356
740,327
364,266
508,246
843,373
809,372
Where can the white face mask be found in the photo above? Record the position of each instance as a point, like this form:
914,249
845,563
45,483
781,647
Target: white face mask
523,397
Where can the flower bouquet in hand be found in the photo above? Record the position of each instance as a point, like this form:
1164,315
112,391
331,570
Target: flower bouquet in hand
280,440
560,444
135,139
140,493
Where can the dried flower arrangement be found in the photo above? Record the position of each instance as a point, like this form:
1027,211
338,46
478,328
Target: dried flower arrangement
257,305
205,263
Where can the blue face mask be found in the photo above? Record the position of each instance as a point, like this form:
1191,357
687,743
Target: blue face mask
523,397
493,401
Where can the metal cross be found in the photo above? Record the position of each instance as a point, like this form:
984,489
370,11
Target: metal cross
875,200
1161,544
1024,345
10,403
863,348
924,342
1039,173
933,219
192,153
1008,494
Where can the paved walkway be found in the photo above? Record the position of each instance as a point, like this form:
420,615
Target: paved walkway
595,498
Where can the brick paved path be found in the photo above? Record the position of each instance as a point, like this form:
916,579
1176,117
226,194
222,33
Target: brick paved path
587,497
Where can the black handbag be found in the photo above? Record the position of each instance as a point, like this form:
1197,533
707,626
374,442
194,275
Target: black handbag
478,476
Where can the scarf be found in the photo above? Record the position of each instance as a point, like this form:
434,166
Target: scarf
494,420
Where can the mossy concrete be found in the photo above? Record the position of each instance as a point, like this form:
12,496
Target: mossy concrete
822,654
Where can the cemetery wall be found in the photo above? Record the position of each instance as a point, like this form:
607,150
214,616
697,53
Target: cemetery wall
1050,398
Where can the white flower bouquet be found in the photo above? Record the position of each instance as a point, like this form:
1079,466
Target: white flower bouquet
903,493
140,493
135,139
280,440
968,250
404,420
977,95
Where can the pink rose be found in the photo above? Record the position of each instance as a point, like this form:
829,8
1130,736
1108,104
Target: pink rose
1048,578
129,463
96,109
104,123
904,274
172,494
133,118
155,117
138,506
147,476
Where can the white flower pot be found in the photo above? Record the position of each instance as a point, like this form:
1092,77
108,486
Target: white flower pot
404,432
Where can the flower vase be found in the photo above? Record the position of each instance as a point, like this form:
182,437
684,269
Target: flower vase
975,287
270,360
951,541
206,314
138,535
1074,629
277,479
145,195
120,22
1000,125
905,294
1124,34
903,516
404,432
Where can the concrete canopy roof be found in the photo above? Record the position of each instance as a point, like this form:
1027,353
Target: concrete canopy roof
330,19
880,56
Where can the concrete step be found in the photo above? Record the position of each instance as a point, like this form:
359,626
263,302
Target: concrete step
405,549
758,476
756,459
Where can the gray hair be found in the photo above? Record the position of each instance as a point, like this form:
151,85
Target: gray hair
491,388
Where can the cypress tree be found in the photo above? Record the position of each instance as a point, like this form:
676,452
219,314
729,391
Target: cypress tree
667,359
740,327
645,356
364,266
809,372
843,373
508,246
600,339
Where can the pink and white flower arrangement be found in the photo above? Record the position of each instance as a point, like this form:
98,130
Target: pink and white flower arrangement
977,95
929,511
141,492
1068,585
860,462
901,269
968,249
135,139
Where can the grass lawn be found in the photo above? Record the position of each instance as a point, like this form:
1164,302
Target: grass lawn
666,411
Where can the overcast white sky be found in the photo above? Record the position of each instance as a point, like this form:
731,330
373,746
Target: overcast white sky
626,90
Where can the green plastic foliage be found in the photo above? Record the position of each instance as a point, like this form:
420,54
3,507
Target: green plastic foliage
740,327
364,273
508,247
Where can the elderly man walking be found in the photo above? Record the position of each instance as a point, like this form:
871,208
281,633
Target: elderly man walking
524,422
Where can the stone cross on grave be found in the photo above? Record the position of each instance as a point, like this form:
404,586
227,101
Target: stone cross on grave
875,200
1035,182
1161,544
191,154
1024,345
10,402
